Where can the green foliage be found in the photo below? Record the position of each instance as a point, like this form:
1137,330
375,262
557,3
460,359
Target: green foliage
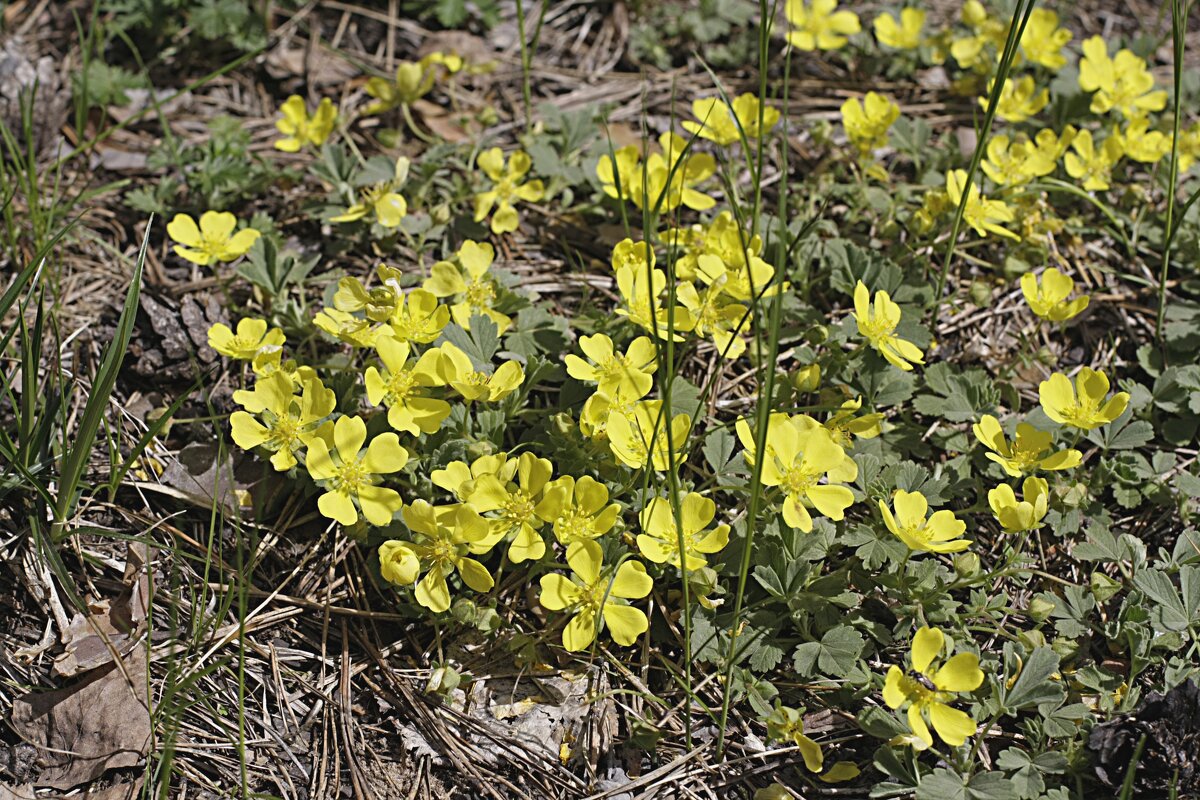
215,173
663,29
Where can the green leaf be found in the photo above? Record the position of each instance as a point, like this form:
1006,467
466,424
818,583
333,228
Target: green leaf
102,387
835,654
942,784
1169,608
991,786
480,343
1033,684
718,448
765,656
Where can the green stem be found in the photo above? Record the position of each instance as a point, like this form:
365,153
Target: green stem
1015,30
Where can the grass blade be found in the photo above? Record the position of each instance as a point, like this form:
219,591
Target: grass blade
97,403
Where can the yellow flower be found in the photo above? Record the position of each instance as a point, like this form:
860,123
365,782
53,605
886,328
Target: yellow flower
348,328
902,34
452,61
349,473
867,122
1086,410
877,324
412,317
969,51
796,462
578,509
382,201
929,694
725,125
1019,100
641,436
1189,146
729,258
1049,298
459,478
472,283
413,81
641,292
714,317
672,174
442,539
631,374
1043,39
457,370
418,317
251,339
1091,165
843,424
1029,450
807,378
299,129
982,214
1123,82
1016,162
288,422
1024,515
212,240
516,503
592,597
1142,144
659,541
818,25
402,387
937,534
600,408
785,724
620,174
378,303
398,563
665,181
508,184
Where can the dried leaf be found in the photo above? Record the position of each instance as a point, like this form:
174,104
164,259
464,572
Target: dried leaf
99,723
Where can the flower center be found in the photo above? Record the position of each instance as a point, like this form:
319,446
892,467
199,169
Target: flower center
573,527
351,477
480,294
284,431
518,508
614,367
917,692
797,480
400,387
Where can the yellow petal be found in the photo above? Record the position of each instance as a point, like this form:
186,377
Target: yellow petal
952,725
625,623
926,646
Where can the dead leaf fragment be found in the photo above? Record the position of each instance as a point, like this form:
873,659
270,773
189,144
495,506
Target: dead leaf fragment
90,640
99,723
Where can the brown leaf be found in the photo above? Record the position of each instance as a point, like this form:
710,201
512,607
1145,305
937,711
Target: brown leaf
90,640
318,66
201,474
443,123
99,723
24,792
621,135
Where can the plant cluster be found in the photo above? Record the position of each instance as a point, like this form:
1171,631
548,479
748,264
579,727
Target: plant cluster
856,529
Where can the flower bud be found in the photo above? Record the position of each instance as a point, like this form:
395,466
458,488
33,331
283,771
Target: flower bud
807,379
1040,609
966,564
